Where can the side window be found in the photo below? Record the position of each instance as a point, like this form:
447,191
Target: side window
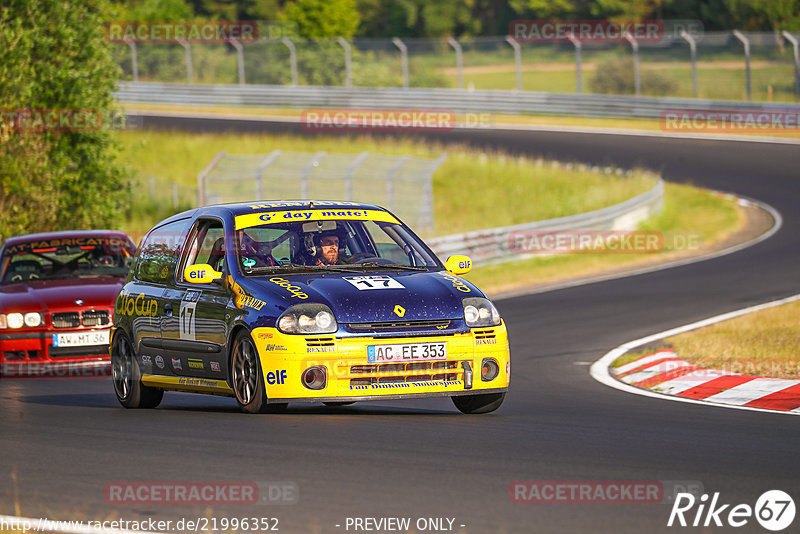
159,252
207,245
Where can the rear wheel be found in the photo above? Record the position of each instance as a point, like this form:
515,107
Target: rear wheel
483,403
127,377
247,378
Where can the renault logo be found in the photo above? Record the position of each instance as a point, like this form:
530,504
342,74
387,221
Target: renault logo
399,310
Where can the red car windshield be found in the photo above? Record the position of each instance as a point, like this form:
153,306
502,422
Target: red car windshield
78,257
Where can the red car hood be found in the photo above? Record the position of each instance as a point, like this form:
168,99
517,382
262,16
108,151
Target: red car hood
54,295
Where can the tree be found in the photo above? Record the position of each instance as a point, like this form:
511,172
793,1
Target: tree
55,61
320,19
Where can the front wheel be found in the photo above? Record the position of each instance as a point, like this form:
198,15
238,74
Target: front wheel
247,378
483,403
127,377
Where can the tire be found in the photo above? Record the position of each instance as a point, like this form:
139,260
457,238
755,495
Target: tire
247,380
127,378
333,404
483,403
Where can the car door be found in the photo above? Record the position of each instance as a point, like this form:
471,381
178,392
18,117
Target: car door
195,330
142,299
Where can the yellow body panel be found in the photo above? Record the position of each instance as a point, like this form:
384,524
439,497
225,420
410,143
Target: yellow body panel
350,375
197,385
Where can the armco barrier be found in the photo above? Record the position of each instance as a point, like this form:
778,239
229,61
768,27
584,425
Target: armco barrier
457,100
493,245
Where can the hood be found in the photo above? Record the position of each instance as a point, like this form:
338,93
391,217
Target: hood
55,295
368,297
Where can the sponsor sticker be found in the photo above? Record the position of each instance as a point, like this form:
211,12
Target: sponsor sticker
278,217
176,364
159,362
215,366
363,283
195,364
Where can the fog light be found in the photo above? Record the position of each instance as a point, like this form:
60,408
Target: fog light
489,369
314,377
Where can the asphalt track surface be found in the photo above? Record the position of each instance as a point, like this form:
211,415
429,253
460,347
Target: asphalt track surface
67,439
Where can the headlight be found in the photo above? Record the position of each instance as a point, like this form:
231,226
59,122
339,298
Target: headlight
15,320
308,319
480,312
33,319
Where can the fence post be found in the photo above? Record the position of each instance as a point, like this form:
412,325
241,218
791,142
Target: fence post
239,59
739,35
269,160
578,63
403,59
201,178
134,59
188,50
307,170
693,49
292,57
426,218
390,181
792,39
348,61
350,171
517,59
637,81
459,60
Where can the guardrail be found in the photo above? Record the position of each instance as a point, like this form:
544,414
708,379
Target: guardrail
457,100
494,245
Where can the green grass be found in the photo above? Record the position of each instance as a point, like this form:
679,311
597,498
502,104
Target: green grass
472,189
687,210
763,343
712,83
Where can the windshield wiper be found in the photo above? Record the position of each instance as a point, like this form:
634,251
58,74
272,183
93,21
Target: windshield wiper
390,266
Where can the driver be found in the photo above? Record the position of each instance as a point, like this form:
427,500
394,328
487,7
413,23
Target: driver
326,250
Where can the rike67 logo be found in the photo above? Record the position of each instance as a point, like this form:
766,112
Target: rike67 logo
774,510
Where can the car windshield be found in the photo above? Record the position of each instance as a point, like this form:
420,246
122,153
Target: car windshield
332,245
63,258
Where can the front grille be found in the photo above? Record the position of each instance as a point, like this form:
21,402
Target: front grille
96,318
91,318
20,355
484,334
66,320
393,373
77,352
394,325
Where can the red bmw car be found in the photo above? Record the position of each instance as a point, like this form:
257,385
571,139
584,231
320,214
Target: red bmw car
57,295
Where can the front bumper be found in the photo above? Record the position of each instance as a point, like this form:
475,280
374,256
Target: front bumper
350,376
31,353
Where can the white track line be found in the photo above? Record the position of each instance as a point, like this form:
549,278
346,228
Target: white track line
600,369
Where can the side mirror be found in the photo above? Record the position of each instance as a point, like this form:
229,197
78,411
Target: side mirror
458,264
201,273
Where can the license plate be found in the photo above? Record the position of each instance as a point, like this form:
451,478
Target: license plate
406,352
81,339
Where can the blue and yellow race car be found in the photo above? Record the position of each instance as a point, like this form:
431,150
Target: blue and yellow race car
306,301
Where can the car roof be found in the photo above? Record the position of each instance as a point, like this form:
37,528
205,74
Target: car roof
64,233
243,208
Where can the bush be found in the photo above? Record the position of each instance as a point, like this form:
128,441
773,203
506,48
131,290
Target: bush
615,77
